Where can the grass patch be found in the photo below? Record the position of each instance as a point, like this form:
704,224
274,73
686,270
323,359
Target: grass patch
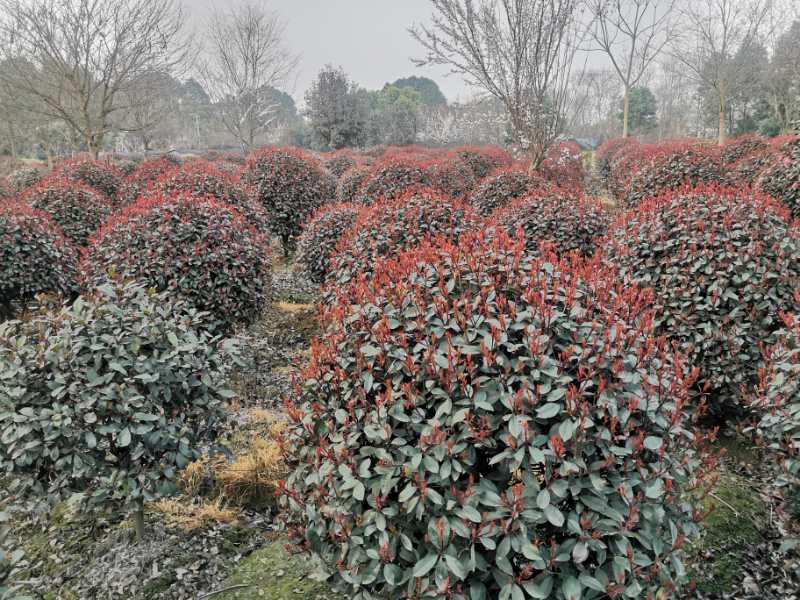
273,573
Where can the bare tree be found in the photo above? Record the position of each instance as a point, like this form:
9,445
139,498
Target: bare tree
632,33
518,51
593,111
246,60
714,33
78,58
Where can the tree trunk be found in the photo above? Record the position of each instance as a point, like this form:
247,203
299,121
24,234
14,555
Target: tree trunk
626,111
138,521
723,117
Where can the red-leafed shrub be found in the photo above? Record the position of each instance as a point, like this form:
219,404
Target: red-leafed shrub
137,182
491,424
392,225
393,177
483,160
35,257
744,145
676,168
562,217
722,263
21,179
100,175
452,176
347,190
78,209
607,153
320,236
563,165
781,177
747,170
338,163
197,248
201,178
499,189
290,184
7,191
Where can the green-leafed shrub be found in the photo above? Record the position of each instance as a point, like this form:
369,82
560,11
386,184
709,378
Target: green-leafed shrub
499,189
687,164
781,179
102,176
7,191
320,236
564,218
78,209
201,178
483,160
290,185
777,399
472,426
390,226
22,179
350,183
109,396
742,146
35,256
392,177
196,248
452,176
722,264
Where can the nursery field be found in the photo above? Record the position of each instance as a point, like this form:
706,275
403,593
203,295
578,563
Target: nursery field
405,372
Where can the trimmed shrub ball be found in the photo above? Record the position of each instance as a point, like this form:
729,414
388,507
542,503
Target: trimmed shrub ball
350,183
197,248
338,163
290,185
137,182
392,225
35,256
723,264
100,175
393,177
483,160
452,176
24,178
781,178
320,236
563,165
685,165
77,208
742,146
202,178
501,188
472,425
568,220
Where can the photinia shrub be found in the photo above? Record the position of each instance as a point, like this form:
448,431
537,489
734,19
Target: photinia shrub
35,256
483,160
687,164
392,225
563,165
319,238
21,179
7,192
722,264
78,209
781,179
502,187
347,190
608,152
338,163
564,218
194,247
747,170
201,178
742,146
137,182
452,176
480,423
393,177
290,185
110,396
100,175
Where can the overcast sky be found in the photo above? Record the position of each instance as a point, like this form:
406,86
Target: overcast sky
367,38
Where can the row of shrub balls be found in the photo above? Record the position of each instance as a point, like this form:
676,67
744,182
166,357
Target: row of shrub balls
502,401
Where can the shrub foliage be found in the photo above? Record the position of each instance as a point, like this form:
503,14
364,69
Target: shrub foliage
320,236
100,175
471,426
393,177
501,188
782,178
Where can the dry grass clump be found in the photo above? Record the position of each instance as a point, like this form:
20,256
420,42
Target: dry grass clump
191,517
